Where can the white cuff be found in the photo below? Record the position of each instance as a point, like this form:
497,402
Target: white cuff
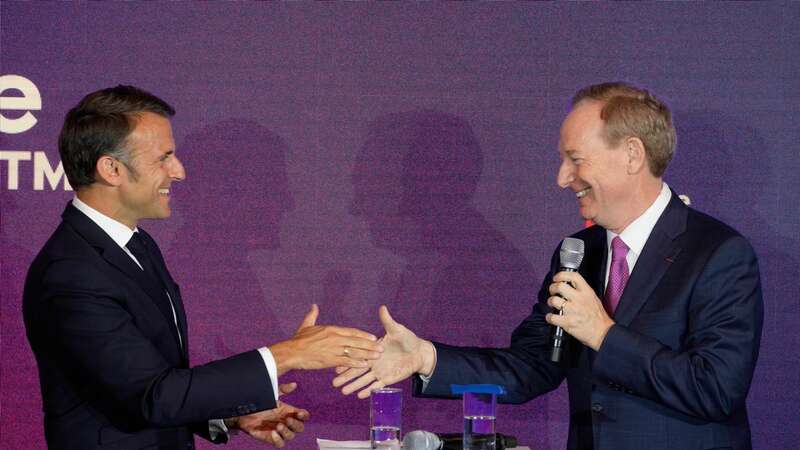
272,369
425,380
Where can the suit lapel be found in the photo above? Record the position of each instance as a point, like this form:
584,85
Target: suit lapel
658,254
180,313
592,270
116,257
174,294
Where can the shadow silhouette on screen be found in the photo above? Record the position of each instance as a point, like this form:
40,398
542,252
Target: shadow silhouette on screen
232,202
414,180
728,169
463,283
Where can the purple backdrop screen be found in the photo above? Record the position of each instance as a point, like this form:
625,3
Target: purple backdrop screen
354,155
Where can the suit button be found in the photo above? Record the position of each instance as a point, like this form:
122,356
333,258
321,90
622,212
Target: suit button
597,407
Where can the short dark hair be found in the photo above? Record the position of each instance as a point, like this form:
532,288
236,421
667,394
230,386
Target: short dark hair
99,125
630,111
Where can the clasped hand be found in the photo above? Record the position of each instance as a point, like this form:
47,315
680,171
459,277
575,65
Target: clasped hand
404,354
321,346
311,347
274,426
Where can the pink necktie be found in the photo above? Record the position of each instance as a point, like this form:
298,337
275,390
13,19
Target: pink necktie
617,276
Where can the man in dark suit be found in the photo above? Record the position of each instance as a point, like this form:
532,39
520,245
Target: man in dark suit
665,312
106,320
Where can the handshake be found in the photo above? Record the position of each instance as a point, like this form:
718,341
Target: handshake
362,361
403,354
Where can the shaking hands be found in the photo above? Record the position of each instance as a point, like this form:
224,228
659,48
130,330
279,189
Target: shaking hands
363,363
404,354
311,347
321,346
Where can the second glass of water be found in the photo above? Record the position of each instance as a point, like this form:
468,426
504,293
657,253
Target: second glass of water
385,414
480,402
479,418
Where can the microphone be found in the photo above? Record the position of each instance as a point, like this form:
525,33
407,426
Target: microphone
571,255
425,440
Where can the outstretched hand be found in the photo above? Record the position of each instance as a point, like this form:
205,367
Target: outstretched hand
321,346
404,354
275,426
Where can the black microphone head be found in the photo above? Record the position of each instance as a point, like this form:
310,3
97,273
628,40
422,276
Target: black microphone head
571,253
421,440
507,441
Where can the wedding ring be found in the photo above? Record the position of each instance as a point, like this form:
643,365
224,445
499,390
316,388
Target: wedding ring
347,351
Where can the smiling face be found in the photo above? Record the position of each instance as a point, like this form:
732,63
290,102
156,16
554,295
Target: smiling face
598,174
145,193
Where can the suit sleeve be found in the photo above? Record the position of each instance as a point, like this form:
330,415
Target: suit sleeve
98,341
524,368
710,375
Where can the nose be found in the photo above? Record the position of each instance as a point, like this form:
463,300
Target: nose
566,174
177,172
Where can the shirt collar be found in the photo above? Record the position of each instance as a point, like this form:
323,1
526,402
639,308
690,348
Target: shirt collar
635,235
117,231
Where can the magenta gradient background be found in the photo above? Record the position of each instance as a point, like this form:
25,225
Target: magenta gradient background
354,155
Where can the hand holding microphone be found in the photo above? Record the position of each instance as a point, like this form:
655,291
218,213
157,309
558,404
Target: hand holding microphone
580,311
570,256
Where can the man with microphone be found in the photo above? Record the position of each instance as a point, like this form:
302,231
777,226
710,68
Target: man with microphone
664,315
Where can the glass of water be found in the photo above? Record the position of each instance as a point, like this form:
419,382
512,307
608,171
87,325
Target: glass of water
480,403
385,412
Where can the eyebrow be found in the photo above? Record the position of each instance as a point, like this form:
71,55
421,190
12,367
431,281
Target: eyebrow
165,154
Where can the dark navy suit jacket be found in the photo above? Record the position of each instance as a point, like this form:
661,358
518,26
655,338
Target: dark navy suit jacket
112,370
674,371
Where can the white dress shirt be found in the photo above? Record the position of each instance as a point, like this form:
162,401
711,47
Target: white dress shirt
636,234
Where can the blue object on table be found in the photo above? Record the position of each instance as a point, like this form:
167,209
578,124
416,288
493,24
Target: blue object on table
495,389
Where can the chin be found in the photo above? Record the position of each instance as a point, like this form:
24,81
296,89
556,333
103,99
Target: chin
162,214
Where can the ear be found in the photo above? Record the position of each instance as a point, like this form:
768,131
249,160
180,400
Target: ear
636,155
109,170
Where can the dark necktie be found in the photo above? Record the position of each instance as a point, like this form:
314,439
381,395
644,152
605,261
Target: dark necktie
617,276
138,247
